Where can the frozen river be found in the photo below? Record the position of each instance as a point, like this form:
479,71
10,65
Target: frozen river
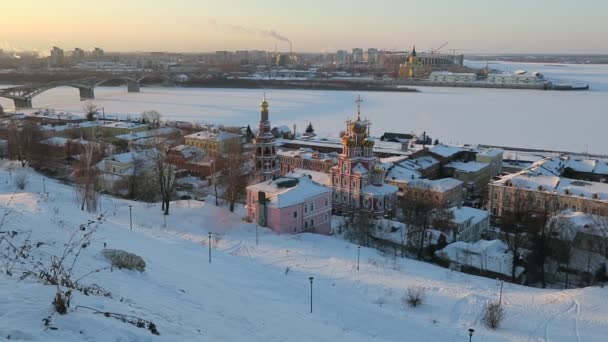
572,121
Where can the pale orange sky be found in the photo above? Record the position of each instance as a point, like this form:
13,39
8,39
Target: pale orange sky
314,25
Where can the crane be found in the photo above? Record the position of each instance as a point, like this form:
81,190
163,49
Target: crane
439,48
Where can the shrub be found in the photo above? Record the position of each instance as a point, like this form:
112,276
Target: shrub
124,259
21,180
493,314
414,296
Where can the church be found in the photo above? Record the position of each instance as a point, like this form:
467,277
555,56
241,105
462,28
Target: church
357,180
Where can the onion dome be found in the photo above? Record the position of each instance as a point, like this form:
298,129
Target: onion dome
367,142
378,168
352,143
345,140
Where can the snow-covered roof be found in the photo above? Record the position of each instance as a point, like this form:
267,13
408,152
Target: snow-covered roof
59,128
124,125
379,190
492,152
282,129
318,177
463,214
493,256
279,194
467,166
213,135
439,185
545,175
308,153
446,150
148,134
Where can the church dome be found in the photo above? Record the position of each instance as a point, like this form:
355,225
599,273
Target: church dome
378,168
367,142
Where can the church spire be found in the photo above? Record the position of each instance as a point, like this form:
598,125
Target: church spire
358,101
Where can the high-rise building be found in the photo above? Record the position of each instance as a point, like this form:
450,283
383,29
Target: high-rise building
77,55
57,59
341,57
358,179
266,162
371,56
98,54
357,55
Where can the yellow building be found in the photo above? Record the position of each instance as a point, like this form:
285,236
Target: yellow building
214,141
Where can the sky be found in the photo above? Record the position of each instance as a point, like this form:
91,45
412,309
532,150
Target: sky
469,26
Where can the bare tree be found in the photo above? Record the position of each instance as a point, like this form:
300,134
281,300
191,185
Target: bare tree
23,141
87,175
419,212
90,111
151,118
361,227
515,225
234,175
165,174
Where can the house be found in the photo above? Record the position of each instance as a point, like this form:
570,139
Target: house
192,159
306,158
445,192
214,141
468,223
547,186
149,138
118,170
474,175
488,258
290,205
122,127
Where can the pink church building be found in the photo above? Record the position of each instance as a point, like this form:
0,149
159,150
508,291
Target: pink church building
290,205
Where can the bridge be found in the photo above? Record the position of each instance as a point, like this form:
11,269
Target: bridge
22,95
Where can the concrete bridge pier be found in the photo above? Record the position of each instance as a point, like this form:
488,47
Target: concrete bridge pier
87,93
132,86
23,103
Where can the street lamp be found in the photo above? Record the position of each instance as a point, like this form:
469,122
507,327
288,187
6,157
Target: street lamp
500,298
311,279
256,234
471,331
209,247
358,256
130,217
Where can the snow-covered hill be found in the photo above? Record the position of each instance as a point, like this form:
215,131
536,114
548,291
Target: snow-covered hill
258,292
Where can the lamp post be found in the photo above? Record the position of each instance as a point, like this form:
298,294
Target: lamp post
256,234
311,279
209,247
471,331
130,217
500,297
358,256
43,186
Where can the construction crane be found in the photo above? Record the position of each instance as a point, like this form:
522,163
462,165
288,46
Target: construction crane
439,48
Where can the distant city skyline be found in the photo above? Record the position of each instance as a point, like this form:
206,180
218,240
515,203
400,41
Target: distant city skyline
470,26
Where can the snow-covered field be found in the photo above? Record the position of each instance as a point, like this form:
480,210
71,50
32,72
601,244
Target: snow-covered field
570,121
260,293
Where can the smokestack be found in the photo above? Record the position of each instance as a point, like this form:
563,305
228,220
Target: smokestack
290,48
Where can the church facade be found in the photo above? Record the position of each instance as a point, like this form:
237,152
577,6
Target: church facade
357,180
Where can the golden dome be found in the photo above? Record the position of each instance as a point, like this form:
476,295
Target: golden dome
378,168
345,140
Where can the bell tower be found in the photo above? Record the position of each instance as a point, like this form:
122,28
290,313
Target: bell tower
266,163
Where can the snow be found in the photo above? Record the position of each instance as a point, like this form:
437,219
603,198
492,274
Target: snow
463,214
147,134
317,176
537,119
440,185
467,166
447,151
493,256
379,190
213,136
245,294
281,197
